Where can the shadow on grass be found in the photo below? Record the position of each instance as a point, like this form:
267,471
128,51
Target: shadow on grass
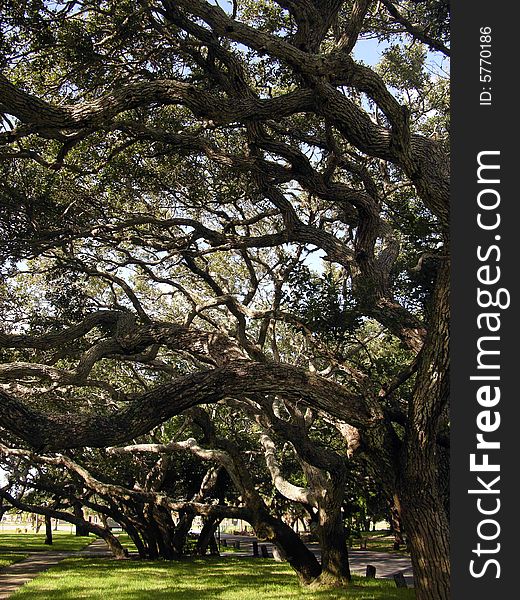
196,579
381,541
8,558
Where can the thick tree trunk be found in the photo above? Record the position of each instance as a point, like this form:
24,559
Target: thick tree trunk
136,538
159,544
423,510
181,533
410,469
334,551
266,526
427,530
328,490
139,526
81,530
396,520
149,536
161,538
207,537
48,530
301,559
138,543
170,547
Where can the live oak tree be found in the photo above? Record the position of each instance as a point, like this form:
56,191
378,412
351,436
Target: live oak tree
169,168
139,492
151,490
139,485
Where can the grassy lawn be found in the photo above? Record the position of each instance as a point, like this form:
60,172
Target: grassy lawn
197,579
14,546
33,542
380,541
8,558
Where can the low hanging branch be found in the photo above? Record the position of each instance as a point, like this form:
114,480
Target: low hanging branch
116,491
102,532
59,431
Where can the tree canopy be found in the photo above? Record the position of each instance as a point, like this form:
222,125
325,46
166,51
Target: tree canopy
219,206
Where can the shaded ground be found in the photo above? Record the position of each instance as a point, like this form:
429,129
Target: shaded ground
387,564
16,575
208,578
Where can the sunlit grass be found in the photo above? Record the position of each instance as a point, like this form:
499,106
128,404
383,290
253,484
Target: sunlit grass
196,579
14,546
34,542
8,558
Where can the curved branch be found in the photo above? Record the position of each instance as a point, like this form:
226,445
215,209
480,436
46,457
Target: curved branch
153,407
104,318
98,113
112,490
286,488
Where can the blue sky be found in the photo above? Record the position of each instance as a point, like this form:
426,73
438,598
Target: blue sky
369,50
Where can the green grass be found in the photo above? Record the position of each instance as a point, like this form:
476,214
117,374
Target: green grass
230,548
8,558
33,542
126,541
196,579
15,546
380,541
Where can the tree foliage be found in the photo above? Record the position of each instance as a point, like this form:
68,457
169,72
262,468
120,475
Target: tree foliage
217,204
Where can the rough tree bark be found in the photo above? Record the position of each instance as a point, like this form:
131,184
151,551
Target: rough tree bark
266,526
324,492
423,510
396,521
334,549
